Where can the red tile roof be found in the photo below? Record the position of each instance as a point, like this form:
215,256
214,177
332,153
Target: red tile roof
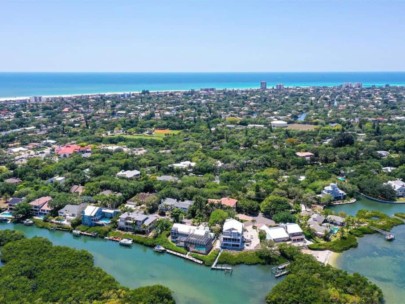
70,149
225,201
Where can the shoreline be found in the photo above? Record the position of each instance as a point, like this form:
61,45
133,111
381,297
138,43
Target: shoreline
112,93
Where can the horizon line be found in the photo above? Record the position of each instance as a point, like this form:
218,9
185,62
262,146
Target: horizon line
194,72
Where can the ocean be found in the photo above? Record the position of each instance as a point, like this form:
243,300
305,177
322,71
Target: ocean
43,84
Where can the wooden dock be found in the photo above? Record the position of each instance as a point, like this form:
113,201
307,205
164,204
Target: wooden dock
214,266
388,235
184,256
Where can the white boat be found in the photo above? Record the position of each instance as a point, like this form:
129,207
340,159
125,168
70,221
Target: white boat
28,222
159,248
76,232
126,242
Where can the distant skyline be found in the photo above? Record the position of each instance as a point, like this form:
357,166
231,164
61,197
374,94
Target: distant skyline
201,36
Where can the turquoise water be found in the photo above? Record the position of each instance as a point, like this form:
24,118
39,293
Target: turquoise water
381,261
140,266
6,214
363,203
29,84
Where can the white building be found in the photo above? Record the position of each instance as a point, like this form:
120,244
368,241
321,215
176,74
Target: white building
398,186
129,174
183,165
276,234
279,124
295,232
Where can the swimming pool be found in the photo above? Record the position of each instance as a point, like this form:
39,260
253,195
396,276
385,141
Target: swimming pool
105,221
334,230
6,214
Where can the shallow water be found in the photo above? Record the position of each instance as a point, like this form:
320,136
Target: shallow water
381,261
140,266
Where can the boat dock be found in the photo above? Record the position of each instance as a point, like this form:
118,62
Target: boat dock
220,267
388,235
280,270
77,232
184,256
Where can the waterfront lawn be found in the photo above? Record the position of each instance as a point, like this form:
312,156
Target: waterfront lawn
338,245
208,259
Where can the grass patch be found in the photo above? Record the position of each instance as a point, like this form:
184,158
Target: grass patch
207,259
339,245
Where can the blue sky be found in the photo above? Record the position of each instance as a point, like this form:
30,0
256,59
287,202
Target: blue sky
202,35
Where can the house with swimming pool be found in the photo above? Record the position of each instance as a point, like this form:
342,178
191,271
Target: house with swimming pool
97,216
196,239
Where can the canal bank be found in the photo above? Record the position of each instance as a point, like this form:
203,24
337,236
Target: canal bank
380,261
140,266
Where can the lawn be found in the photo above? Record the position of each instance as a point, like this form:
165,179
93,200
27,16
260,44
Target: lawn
301,127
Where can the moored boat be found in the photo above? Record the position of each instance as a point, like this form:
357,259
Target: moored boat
390,237
76,232
159,248
28,222
126,242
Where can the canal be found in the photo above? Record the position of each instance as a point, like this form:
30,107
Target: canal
381,261
140,266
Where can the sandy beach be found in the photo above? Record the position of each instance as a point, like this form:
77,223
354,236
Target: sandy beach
323,256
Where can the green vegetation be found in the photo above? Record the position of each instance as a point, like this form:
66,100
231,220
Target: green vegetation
311,282
339,245
37,272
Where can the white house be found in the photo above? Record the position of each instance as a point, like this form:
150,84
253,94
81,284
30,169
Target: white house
294,232
70,212
232,235
183,165
278,124
398,186
129,174
276,234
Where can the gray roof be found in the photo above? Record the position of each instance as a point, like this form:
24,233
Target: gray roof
73,209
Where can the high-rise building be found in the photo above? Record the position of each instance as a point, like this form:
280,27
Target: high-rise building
263,85
279,86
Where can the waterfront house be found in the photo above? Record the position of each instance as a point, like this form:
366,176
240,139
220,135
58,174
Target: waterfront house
335,220
129,174
334,191
275,234
40,206
294,232
196,239
134,221
225,201
91,215
70,212
169,204
398,186
232,235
